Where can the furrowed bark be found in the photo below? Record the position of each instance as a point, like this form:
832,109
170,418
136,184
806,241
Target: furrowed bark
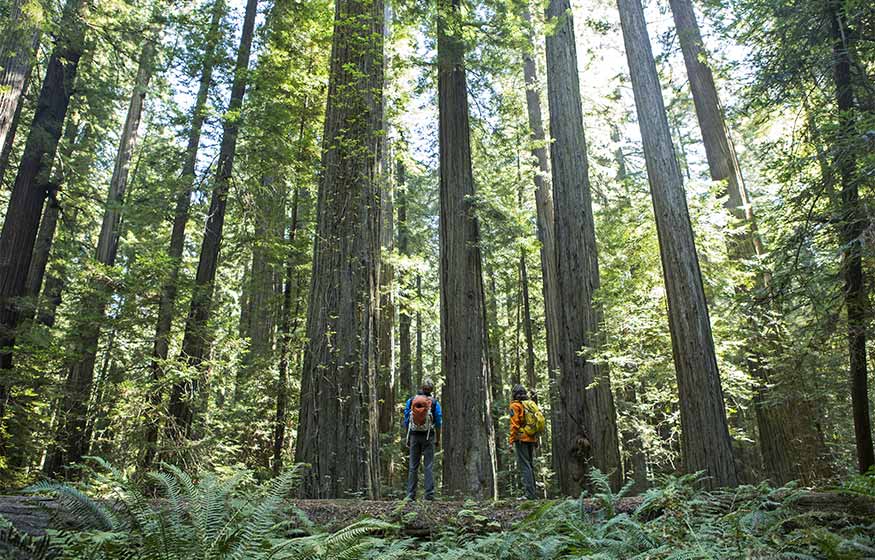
405,319
705,438
746,245
18,48
338,433
469,455
546,233
586,434
26,202
854,225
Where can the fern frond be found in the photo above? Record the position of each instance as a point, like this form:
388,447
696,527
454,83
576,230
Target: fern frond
76,503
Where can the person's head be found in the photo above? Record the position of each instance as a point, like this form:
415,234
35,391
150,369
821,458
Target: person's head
427,386
518,393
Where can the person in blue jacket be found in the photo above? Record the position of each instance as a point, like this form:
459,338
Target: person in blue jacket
422,424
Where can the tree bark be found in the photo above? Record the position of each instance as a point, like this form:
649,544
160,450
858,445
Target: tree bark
705,438
531,378
186,395
724,167
26,202
469,456
52,211
719,150
18,48
586,404
262,305
853,227
496,348
288,324
405,319
72,437
337,430
419,351
186,180
387,382
546,225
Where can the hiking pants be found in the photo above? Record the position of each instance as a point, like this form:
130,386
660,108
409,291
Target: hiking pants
421,447
525,453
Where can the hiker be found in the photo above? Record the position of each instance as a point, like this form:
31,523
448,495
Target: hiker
422,421
526,423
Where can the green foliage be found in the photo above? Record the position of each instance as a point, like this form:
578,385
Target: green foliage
863,484
219,517
211,516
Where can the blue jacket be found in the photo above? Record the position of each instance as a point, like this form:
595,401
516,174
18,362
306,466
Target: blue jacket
436,414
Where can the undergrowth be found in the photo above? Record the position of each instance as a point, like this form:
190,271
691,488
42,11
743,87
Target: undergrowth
231,517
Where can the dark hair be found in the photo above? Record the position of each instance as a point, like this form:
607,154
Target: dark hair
519,392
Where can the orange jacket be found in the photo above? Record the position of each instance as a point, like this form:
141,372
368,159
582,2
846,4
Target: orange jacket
517,421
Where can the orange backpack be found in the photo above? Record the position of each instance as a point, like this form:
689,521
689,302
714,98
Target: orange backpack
421,419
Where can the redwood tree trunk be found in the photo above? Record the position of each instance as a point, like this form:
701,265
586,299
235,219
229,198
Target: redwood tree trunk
586,404
185,395
854,225
705,438
546,225
337,429
269,210
26,202
469,456
724,166
417,365
288,322
18,46
387,376
405,319
72,437
49,222
177,235
531,379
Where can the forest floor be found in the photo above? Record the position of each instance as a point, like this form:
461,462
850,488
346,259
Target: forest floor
35,514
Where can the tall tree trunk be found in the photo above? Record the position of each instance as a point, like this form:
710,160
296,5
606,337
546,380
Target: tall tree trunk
469,456
289,315
186,180
854,225
26,202
386,319
405,319
56,280
261,307
546,230
496,350
496,364
52,211
586,404
419,350
722,159
337,430
18,48
705,438
185,395
71,438
531,379
724,167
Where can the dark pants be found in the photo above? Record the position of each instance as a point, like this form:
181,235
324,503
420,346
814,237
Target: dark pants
525,453
421,447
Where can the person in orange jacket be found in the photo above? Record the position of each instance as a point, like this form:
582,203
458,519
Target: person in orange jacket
523,443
